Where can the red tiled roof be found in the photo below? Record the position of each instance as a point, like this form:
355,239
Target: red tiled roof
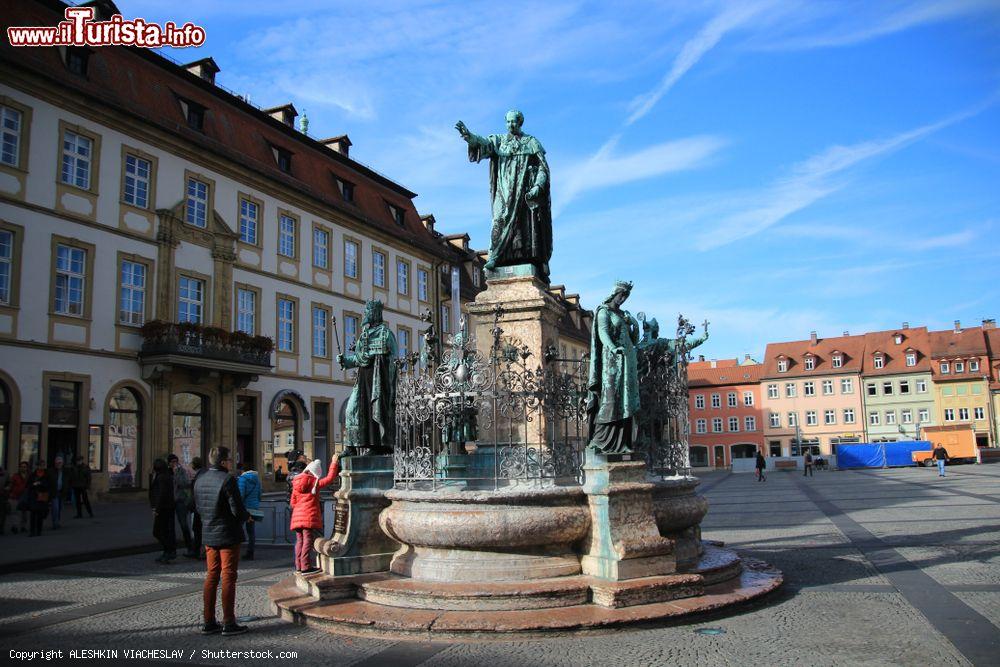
144,84
851,347
895,355
732,374
962,345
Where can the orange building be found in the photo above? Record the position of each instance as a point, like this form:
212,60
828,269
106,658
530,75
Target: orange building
725,410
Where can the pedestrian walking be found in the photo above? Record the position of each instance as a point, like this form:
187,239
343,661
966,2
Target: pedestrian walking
941,456
307,517
218,500
39,499
161,500
19,496
807,464
199,469
761,466
249,484
183,500
81,487
59,478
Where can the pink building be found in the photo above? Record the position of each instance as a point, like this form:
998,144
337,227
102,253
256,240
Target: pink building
725,409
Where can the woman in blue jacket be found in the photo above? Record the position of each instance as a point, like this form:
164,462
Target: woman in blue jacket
249,483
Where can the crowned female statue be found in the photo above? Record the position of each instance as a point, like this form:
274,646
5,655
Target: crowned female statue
613,384
371,409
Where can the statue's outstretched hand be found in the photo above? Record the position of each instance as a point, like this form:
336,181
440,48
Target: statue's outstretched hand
463,130
340,360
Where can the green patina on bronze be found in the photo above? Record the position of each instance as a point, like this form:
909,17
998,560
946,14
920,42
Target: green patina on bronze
371,409
652,347
519,190
613,383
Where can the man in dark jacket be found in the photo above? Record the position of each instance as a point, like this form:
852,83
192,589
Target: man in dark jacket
220,505
80,481
161,500
941,456
59,479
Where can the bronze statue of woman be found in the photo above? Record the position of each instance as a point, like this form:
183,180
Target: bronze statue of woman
613,385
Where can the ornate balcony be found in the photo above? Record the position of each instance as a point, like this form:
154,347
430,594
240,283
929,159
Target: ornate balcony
194,346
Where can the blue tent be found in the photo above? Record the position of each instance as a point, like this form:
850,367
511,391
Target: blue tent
880,454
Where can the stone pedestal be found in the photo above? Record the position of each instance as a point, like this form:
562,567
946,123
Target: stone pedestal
624,541
357,544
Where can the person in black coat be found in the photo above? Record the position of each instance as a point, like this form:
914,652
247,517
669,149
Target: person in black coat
761,465
199,469
39,498
220,504
161,500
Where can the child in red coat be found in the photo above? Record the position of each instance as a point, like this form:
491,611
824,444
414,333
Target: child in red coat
307,519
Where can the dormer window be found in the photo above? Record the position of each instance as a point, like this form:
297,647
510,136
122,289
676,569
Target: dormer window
77,59
782,365
810,363
879,361
973,365
194,114
959,367
898,339
945,368
345,188
398,214
838,360
911,358
283,158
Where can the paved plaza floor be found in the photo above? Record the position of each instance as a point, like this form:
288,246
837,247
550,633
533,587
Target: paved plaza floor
882,567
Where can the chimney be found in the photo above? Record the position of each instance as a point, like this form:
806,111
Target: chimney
285,113
341,144
847,333
713,363
989,324
746,357
701,357
812,337
205,69
428,221
906,325
958,326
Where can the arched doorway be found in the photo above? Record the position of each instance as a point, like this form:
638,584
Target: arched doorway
189,425
125,414
286,434
743,451
699,456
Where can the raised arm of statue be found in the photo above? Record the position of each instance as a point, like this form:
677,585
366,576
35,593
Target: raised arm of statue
347,360
479,147
691,344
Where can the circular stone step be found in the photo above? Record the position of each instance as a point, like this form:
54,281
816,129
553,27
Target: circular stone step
537,594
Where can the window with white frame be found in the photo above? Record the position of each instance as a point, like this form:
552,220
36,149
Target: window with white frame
402,277
10,135
879,361
748,399
945,368
887,388
350,259
921,386
422,285
378,268
321,248
949,414
809,388
249,218
246,311
979,413
874,419
320,331
350,331
77,157
701,426
190,300
196,209
716,401
904,386
849,415
775,420
973,365
829,417
717,425
911,358
731,399
132,293
793,419
789,390
71,276
871,388
959,367
906,416
923,415
750,423
699,402
286,235
828,387
890,417
734,424
137,172
846,385
286,325
6,265
782,365
772,391
837,360
810,363
963,414
811,418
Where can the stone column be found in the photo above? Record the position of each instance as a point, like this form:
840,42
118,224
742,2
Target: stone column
624,541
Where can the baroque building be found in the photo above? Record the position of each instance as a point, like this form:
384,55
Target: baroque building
898,393
726,415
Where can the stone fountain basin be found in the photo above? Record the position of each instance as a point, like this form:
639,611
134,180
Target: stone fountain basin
677,506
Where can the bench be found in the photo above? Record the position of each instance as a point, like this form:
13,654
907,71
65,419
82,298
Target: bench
785,465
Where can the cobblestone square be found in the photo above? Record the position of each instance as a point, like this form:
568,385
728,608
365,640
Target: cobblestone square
882,567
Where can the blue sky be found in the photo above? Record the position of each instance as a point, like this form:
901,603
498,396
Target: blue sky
774,166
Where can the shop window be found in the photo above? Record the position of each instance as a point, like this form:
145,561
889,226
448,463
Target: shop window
124,435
